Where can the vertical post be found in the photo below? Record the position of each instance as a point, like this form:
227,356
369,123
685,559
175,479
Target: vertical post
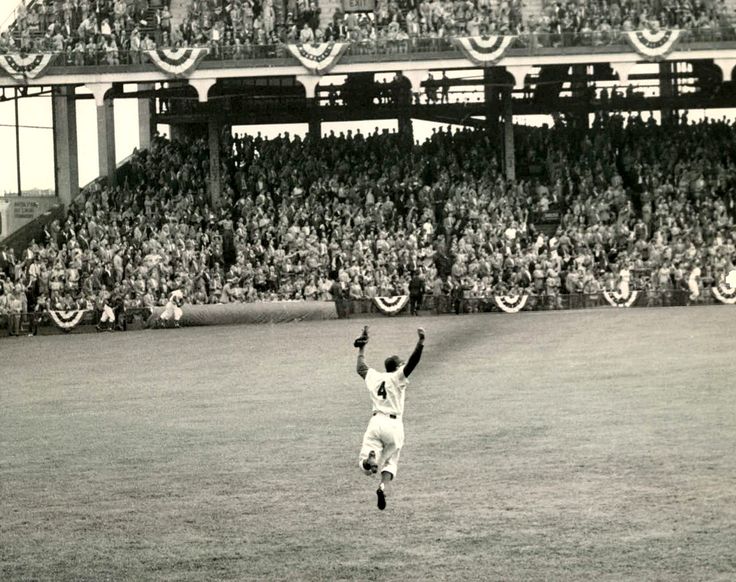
406,129
106,140
17,143
508,135
315,123
66,169
146,128
490,98
214,127
667,88
579,89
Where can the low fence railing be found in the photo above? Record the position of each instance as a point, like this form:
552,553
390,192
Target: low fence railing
139,318
531,44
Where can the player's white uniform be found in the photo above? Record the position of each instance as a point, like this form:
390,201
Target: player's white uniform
385,432
107,314
623,287
172,308
693,285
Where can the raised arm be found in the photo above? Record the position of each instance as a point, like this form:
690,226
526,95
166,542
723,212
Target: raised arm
416,355
360,343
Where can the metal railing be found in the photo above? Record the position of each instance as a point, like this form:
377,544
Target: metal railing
531,44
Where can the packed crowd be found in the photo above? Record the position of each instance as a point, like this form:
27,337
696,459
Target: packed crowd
598,22
640,205
117,31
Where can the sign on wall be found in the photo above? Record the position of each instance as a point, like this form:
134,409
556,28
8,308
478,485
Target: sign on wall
25,208
358,5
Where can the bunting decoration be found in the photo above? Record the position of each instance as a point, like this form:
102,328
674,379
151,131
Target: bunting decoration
26,66
178,62
725,291
391,305
618,299
653,46
483,50
67,320
318,58
510,303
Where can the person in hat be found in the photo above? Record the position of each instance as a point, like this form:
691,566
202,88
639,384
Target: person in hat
384,436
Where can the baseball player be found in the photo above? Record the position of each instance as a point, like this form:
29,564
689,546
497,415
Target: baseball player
384,436
107,315
173,308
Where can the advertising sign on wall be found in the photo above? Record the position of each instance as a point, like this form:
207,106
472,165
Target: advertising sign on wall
358,5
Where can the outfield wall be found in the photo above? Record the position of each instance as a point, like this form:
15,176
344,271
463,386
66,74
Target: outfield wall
290,311
243,313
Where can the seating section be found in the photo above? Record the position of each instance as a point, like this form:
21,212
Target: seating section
115,31
637,202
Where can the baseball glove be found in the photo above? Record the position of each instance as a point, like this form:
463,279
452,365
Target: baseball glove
362,339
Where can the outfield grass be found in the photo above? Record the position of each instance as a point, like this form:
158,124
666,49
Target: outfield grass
586,445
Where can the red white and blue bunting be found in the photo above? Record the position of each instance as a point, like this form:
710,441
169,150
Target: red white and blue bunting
725,291
318,58
67,320
618,299
23,67
511,303
391,305
178,62
653,45
483,50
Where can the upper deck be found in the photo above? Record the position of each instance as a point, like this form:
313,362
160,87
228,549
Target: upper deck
420,54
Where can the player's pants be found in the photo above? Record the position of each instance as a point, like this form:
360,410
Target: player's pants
385,435
107,314
694,290
170,311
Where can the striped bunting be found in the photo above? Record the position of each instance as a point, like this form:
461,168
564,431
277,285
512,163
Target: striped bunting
616,299
67,320
22,67
391,305
511,303
653,45
483,50
178,62
725,291
318,58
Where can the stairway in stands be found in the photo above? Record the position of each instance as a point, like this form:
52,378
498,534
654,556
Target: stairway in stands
178,9
535,7
149,28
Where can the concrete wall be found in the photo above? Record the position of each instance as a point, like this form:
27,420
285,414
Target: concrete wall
16,212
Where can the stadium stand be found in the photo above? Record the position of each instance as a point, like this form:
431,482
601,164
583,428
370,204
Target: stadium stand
115,31
299,214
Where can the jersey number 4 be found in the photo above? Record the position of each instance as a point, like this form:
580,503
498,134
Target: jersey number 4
382,390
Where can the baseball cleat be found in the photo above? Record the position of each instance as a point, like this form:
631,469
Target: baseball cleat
370,463
381,497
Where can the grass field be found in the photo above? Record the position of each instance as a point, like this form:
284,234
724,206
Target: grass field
586,445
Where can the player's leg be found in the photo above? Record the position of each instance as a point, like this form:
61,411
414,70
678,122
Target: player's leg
177,315
104,317
110,318
388,471
166,314
370,450
393,437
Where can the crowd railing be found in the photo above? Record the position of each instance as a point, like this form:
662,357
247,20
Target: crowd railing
529,44
138,317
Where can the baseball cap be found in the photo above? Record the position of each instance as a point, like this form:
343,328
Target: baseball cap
393,363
